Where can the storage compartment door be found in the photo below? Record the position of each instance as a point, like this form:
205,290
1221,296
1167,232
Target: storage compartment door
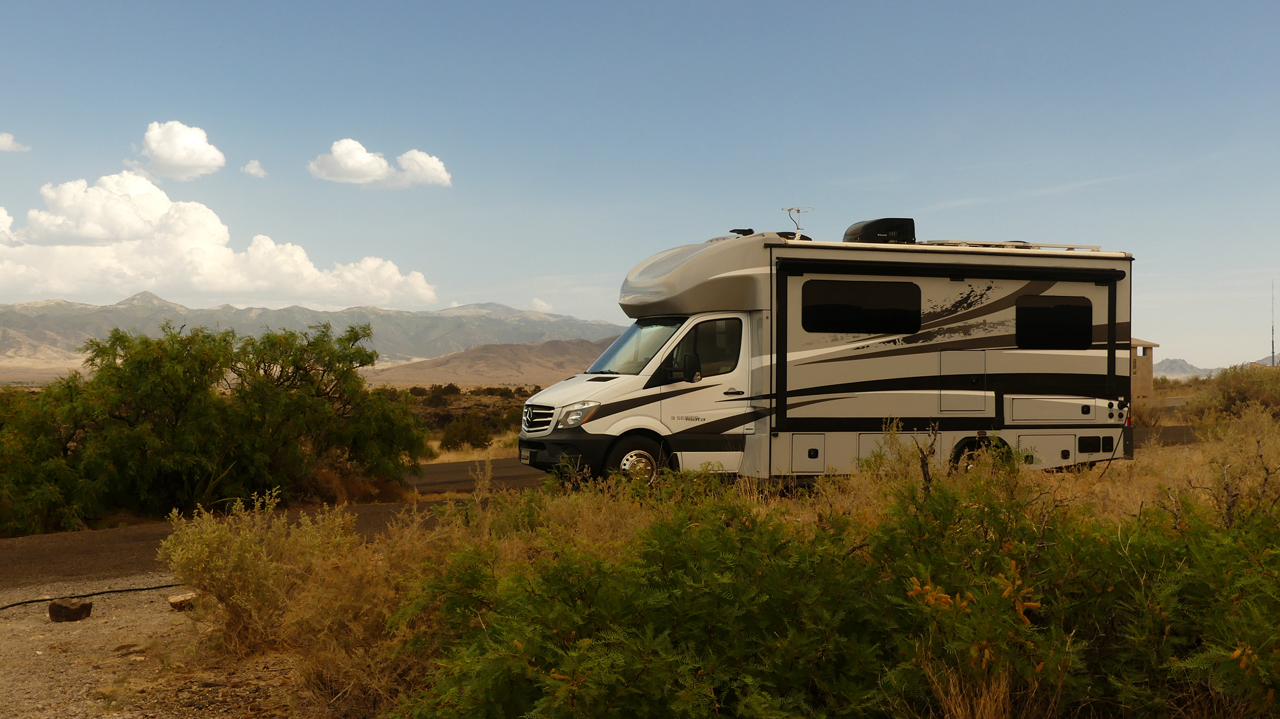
1048,450
808,453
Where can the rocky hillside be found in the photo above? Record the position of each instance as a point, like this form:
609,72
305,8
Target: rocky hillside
540,364
39,340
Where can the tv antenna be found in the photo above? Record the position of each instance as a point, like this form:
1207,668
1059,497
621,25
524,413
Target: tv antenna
793,214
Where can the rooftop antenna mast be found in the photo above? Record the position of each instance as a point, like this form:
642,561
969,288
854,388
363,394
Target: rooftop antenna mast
793,214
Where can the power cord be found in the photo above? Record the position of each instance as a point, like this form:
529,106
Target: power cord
91,594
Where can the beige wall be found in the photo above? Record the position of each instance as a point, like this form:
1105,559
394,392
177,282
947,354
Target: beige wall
1142,370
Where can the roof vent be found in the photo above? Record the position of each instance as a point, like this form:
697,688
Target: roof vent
893,230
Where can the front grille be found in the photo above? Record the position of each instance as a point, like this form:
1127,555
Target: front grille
536,418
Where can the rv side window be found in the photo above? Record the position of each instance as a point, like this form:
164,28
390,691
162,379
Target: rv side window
717,344
1054,323
849,307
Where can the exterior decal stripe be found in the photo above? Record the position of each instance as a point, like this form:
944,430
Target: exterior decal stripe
627,404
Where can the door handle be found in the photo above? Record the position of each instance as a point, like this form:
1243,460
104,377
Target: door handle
734,391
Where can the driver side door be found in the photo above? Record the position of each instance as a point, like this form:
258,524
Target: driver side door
707,418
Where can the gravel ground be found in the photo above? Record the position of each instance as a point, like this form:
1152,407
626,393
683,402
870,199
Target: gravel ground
129,659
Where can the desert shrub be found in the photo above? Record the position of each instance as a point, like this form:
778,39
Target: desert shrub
1244,465
717,608
251,561
1233,390
469,430
39,489
986,591
193,417
298,400
308,585
989,594
156,430
438,395
504,392
418,391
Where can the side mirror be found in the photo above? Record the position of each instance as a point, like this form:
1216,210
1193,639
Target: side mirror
692,367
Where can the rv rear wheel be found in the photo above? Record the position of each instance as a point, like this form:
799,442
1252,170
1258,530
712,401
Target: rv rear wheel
637,457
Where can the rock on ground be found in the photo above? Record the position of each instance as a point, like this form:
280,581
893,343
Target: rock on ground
130,659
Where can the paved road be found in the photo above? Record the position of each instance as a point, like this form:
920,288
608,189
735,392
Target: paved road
125,551
460,476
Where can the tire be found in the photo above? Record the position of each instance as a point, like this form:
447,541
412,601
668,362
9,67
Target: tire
964,457
637,456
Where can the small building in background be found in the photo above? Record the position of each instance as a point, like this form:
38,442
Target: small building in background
1142,360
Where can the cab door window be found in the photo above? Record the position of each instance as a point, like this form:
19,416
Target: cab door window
718,344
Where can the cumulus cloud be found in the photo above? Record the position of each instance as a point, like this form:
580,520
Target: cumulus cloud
541,306
6,221
8,144
179,152
253,167
349,161
123,234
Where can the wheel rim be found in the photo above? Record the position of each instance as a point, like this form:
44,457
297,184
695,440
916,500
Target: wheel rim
639,464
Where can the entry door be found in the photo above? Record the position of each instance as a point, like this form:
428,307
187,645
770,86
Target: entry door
710,415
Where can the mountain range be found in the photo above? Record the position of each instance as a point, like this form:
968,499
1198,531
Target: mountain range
1182,369
543,364
41,340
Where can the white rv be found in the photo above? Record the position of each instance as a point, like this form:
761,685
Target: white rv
768,354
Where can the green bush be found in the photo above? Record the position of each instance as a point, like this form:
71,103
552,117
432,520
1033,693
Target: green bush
1233,390
438,395
468,430
40,490
193,417
983,592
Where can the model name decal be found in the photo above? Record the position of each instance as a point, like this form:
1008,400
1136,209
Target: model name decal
686,418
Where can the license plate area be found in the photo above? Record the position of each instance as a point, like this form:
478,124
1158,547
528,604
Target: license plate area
526,456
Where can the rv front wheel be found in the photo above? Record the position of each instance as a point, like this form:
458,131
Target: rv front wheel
636,457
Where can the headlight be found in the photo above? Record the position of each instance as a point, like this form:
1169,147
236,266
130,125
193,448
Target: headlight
577,413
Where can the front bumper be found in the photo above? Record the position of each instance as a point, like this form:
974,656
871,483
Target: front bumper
575,446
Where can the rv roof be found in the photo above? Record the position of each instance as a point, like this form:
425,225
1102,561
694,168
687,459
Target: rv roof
733,273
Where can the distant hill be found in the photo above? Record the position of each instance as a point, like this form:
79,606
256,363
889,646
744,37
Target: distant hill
39,340
1180,369
543,364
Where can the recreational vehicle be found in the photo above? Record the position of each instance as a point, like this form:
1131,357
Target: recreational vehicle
769,354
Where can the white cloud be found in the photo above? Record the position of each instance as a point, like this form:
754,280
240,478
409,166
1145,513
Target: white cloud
541,306
8,144
179,152
420,168
6,221
253,167
349,161
123,235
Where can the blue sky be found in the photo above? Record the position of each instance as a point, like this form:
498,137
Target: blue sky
580,138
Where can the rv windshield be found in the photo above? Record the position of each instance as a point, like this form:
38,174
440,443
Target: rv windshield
632,351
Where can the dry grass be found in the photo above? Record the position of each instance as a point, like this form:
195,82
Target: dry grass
504,446
318,591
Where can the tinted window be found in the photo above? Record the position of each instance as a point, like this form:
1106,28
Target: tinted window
880,308
1054,323
717,344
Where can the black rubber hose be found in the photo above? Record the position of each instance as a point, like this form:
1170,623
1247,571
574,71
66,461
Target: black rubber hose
91,594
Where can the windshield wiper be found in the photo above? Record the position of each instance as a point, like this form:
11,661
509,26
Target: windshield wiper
605,371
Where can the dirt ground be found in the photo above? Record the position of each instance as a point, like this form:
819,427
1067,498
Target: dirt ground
129,659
